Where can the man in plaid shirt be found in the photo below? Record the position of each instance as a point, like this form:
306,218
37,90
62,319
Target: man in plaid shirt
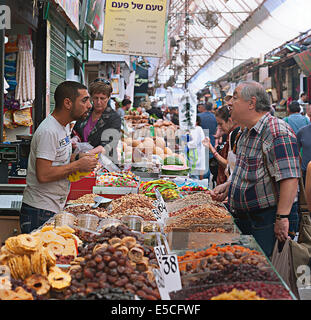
263,190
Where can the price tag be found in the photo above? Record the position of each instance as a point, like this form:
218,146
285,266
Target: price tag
170,270
169,267
161,284
159,252
160,210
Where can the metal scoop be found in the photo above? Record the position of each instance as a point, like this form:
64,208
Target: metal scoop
99,200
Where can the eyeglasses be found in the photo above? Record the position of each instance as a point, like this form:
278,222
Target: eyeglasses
105,81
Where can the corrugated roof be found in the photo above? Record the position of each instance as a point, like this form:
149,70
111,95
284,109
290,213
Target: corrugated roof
277,22
212,23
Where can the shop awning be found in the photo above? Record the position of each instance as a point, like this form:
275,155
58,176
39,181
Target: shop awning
304,61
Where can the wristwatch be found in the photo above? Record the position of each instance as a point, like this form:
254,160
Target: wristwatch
281,216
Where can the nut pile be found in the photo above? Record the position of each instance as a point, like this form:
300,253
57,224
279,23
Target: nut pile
197,198
80,209
87,198
133,204
203,214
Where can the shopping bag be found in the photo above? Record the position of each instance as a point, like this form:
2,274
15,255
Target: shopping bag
281,260
302,201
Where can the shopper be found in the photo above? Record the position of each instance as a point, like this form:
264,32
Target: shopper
125,106
209,125
50,159
102,125
174,117
303,101
265,178
295,119
228,126
195,152
308,112
304,146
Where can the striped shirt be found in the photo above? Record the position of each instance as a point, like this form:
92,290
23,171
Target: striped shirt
251,186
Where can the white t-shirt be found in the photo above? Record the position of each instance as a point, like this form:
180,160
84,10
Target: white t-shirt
196,145
51,141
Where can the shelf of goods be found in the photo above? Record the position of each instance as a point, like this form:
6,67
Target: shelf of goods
107,253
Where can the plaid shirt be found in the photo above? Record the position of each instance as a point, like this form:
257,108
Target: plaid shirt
251,186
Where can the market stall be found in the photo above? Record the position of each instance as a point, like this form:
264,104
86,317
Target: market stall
139,246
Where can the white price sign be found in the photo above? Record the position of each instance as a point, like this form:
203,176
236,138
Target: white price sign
169,267
161,284
160,210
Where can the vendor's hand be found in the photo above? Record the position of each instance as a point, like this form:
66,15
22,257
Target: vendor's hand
281,227
87,163
98,149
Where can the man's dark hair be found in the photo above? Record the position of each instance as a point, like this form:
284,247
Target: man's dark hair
126,101
302,94
67,89
209,106
294,107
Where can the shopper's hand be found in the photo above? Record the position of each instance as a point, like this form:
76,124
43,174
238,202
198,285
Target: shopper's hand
206,142
281,227
220,192
87,163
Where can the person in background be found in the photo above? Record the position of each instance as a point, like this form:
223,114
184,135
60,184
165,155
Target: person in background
51,160
174,115
125,106
308,112
228,126
304,146
102,125
195,153
155,111
209,125
263,191
295,119
303,101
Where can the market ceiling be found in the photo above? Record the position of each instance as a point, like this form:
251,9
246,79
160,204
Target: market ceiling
211,24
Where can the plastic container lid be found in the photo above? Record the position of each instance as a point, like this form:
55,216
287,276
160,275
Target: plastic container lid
88,221
64,218
152,226
108,222
134,223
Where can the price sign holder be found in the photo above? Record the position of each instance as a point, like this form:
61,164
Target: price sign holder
161,284
160,210
169,268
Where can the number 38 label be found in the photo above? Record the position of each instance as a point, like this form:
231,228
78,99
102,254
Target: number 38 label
170,270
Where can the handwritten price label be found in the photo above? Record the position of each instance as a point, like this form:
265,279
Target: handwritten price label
169,267
160,211
161,284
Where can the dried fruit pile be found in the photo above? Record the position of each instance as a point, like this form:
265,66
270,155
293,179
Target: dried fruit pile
115,259
238,295
231,273
217,257
105,294
263,290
